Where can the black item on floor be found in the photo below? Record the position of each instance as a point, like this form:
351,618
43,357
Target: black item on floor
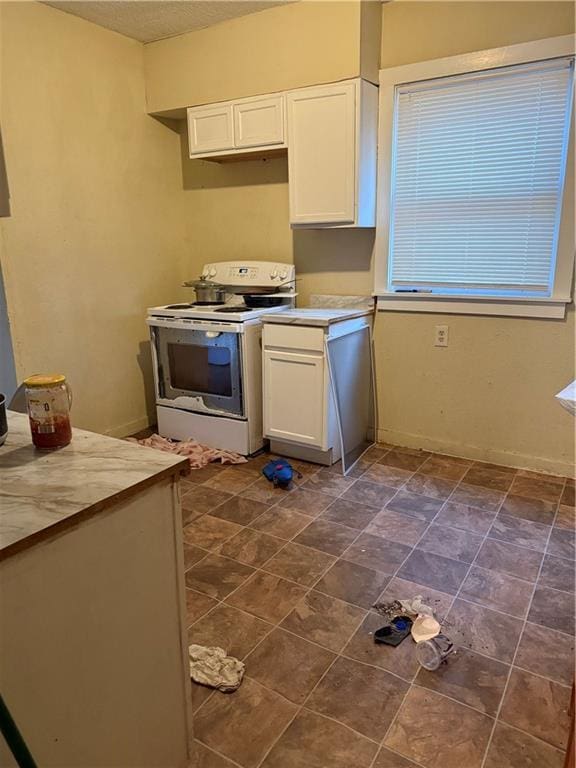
395,632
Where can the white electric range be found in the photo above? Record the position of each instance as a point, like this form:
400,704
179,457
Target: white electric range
207,360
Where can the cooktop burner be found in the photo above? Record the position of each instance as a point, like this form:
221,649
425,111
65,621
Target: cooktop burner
179,306
239,308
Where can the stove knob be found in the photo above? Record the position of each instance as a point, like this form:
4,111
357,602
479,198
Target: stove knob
212,271
274,274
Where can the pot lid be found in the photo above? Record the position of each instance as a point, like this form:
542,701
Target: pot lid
202,283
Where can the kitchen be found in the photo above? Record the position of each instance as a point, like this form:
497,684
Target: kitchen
104,195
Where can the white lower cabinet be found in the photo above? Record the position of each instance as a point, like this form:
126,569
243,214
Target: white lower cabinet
294,395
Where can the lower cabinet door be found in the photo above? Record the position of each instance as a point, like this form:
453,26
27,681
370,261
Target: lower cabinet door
294,401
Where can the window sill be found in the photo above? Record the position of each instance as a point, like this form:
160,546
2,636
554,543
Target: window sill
543,308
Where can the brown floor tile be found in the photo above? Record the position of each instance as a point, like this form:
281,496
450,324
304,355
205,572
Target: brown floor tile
446,467
470,678
557,479
288,664
553,609
566,517
284,523
217,576
415,505
327,537
537,706
264,491
497,591
266,596
558,573
510,748
524,533
199,500
451,542
323,620
192,555
567,498
536,510
377,553
465,518
243,726
483,630
353,583
541,488
430,486
546,652
561,543
439,733
359,696
388,759
476,496
377,452
199,693
434,571
372,494
401,460
197,605
230,480
400,660
400,589
397,527
208,532
251,547
489,477
239,510
312,741
201,475
349,513
206,758
235,631
310,503
506,558
300,564
391,477
328,483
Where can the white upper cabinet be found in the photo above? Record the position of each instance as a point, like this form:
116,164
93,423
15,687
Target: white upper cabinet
237,127
259,122
210,129
332,139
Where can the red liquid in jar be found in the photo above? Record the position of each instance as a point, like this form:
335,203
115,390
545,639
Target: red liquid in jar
60,433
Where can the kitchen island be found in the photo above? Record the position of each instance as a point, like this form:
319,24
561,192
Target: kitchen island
93,649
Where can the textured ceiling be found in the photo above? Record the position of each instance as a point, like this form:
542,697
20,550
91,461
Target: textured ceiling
148,20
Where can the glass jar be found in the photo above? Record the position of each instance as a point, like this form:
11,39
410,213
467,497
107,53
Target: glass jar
49,398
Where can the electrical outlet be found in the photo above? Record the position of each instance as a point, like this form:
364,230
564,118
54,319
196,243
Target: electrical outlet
441,337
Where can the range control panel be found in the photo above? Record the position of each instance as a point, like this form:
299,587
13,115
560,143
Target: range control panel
249,273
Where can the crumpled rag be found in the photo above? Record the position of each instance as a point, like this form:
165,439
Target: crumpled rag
198,455
211,666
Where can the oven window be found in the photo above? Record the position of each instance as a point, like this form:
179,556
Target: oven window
200,369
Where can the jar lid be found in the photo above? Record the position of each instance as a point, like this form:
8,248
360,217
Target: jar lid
44,380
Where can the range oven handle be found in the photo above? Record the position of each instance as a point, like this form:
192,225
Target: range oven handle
208,326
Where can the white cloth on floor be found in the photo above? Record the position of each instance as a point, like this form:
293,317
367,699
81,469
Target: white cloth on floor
211,666
198,455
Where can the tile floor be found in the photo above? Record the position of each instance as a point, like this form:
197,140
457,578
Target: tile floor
285,580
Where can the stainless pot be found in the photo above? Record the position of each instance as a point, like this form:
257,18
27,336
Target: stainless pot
208,292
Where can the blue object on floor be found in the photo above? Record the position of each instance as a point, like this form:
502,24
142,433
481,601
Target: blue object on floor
279,472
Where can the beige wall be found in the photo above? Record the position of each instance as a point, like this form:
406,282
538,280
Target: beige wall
98,225
300,44
490,394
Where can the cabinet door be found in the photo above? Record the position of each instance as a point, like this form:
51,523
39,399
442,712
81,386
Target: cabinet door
210,129
294,402
322,154
259,123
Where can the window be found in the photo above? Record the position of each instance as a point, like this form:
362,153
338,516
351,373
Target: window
476,164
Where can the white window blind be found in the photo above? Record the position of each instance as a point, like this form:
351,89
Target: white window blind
478,167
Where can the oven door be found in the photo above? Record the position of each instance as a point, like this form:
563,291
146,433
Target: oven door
198,365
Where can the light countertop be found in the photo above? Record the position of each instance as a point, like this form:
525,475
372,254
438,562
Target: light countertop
319,316
41,492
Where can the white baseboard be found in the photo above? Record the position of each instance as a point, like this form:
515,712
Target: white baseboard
492,455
